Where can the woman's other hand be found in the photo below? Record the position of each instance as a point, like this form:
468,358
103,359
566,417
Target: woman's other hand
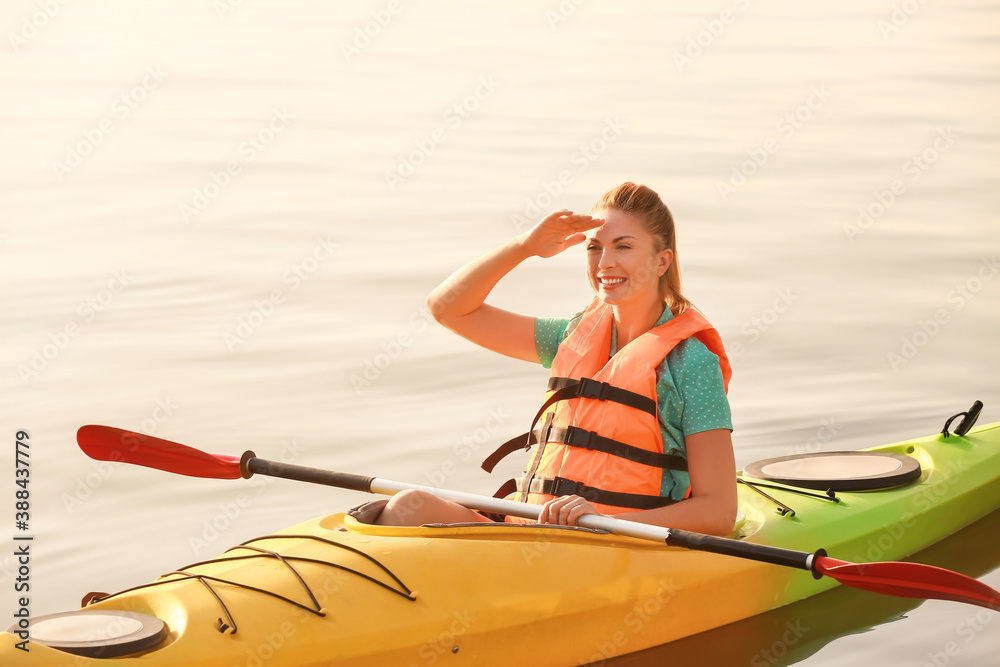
565,510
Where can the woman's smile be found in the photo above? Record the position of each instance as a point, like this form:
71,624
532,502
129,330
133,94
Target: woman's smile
610,283
622,259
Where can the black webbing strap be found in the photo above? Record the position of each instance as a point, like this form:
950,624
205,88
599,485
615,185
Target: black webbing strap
564,389
507,488
575,436
560,486
509,447
602,391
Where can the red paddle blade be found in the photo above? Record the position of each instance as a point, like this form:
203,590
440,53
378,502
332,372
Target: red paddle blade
106,443
910,580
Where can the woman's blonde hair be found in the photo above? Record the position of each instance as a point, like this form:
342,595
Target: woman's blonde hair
646,205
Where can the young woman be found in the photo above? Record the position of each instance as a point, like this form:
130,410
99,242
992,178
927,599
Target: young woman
636,422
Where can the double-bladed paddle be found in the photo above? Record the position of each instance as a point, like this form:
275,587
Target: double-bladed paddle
914,580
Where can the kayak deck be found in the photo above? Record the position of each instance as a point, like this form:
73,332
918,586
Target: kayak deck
333,590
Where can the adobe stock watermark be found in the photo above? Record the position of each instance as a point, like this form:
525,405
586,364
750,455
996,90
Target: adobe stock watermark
390,350
757,325
417,323
825,433
297,274
424,147
247,150
900,16
886,544
698,43
967,630
915,167
264,646
585,154
371,29
928,329
562,12
642,614
223,8
770,655
462,449
785,127
32,25
325,588
605,477
468,446
445,642
227,513
121,108
59,340
85,486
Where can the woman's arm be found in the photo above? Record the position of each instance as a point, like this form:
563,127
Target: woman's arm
459,302
711,509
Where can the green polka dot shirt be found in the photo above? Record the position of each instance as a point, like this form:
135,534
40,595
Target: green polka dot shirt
690,392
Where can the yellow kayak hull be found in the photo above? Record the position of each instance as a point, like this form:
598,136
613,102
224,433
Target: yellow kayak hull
357,594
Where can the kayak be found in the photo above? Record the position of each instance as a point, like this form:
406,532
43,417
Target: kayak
334,590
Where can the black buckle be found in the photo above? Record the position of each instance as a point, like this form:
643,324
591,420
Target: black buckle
582,490
590,388
580,437
560,484
568,487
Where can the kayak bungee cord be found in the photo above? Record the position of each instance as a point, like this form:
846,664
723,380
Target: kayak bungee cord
830,494
182,574
783,509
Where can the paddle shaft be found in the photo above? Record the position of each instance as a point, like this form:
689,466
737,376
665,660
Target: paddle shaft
107,443
250,465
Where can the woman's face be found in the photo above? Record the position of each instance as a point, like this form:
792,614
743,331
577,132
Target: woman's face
623,263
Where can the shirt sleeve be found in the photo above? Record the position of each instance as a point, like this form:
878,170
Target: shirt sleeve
549,332
702,389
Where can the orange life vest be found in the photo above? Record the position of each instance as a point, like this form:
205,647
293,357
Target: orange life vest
601,436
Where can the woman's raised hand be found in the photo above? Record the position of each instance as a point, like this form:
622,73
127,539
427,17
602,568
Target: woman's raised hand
459,303
558,231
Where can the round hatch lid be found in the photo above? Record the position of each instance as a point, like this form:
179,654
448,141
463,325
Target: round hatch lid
98,633
838,471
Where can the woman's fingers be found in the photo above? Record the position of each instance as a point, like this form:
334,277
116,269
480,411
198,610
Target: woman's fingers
578,221
565,510
543,515
557,231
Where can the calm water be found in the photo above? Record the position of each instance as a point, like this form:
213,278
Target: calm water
220,222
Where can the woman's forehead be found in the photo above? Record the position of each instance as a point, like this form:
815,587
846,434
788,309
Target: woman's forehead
617,224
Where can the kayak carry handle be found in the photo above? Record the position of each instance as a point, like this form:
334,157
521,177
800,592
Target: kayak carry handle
969,418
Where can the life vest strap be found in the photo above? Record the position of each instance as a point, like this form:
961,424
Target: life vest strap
507,488
575,436
523,441
537,458
560,486
564,389
600,391
584,439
